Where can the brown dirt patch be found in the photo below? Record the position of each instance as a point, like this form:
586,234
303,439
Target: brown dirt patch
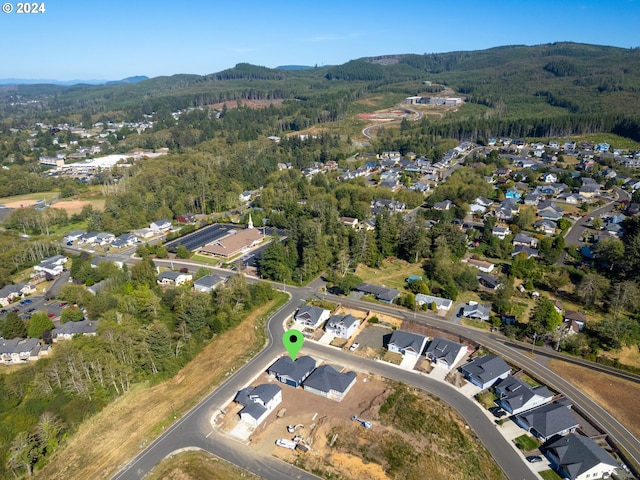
75,206
197,465
626,355
618,397
97,450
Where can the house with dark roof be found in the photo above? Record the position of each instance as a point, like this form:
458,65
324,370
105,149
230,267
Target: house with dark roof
292,372
476,311
525,240
577,317
485,371
21,350
342,326
549,420
311,316
160,225
488,281
258,402
516,396
528,251
445,353
407,343
550,212
577,457
384,294
327,382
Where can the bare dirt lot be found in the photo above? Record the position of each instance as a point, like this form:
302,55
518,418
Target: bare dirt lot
318,415
75,206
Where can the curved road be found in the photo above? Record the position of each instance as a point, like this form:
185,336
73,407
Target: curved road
194,429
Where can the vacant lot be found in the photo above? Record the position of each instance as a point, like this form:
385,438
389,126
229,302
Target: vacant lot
412,436
111,438
393,273
617,396
75,206
28,199
198,465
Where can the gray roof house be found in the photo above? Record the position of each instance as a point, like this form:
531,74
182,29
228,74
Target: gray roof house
488,281
311,316
173,278
445,353
525,240
548,420
342,326
476,311
292,372
407,343
441,303
258,402
485,371
516,396
384,294
328,382
577,457
21,350
208,283
68,330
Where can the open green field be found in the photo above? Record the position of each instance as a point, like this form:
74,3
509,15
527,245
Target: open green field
393,273
29,198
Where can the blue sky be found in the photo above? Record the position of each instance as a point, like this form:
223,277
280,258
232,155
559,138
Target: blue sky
114,39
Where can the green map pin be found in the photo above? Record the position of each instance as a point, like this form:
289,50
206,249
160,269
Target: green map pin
292,341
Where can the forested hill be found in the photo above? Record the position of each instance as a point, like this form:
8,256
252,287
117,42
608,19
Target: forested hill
572,78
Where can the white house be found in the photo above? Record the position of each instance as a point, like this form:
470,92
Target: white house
445,353
311,316
407,343
342,326
160,225
442,304
485,371
516,396
208,283
52,265
258,402
174,278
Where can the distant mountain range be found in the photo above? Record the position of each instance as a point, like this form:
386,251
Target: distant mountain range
294,67
32,81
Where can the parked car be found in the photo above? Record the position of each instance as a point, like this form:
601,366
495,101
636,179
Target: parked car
51,315
534,458
354,347
31,310
3,312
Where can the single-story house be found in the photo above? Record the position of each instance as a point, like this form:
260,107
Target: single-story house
516,396
407,343
528,251
476,311
328,382
550,212
342,326
547,227
578,317
525,240
311,316
483,266
549,420
384,294
258,402
173,278
443,304
68,330
443,206
292,372
160,225
577,457
486,370
208,283
488,281
235,243
445,353
73,236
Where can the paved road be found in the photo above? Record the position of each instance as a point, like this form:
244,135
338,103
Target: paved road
575,233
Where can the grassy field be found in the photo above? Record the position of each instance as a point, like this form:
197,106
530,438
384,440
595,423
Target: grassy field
30,197
197,465
617,396
393,273
98,449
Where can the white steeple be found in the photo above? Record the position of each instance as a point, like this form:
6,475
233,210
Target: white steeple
250,224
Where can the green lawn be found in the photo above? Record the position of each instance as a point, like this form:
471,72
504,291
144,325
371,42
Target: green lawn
526,442
550,475
205,259
487,399
480,324
393,273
